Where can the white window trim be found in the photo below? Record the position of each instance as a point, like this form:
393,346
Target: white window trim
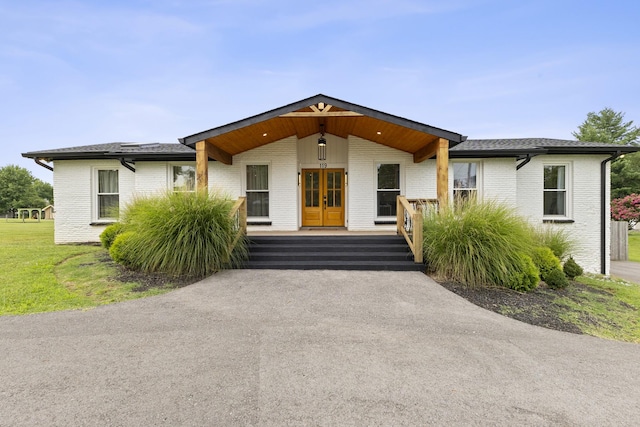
95,194
479,176
375,186
568,175
170,175
270,190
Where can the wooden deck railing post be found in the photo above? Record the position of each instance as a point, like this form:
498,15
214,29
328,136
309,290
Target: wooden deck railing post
399,215
243,215
417,236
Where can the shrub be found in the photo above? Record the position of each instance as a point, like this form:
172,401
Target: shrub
120,251
546,261
186,234
556,279
110,233
626,209
572,269
526,277
476,243
555,239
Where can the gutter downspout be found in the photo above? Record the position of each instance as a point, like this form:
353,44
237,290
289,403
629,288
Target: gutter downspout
527,159
603,212
39,162
127,165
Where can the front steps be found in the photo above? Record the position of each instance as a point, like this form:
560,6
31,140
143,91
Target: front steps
353,252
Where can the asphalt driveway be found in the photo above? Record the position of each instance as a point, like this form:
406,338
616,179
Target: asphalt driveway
253,347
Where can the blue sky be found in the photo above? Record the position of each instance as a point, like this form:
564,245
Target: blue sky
88,72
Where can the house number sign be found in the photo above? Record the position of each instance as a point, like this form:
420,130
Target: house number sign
323,165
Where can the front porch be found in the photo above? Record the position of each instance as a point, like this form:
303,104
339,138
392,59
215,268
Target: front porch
336,248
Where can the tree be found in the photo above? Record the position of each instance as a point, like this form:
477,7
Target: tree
19,189
608,126
625,176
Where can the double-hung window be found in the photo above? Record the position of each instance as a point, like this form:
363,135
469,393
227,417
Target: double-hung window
108,194
465,181
388,189
183,178
257,190
555,191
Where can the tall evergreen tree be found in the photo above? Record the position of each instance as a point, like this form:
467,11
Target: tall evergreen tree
608,126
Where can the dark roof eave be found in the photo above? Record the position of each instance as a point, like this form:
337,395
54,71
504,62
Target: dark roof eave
465,154
112,156
453,137
534,151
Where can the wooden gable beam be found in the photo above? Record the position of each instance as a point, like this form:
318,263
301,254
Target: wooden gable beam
217,153
426,152
322,114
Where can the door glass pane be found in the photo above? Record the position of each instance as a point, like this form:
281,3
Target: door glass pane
338,180
338,196
312,189
330,180
330,196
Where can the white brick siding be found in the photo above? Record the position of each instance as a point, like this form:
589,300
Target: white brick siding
283,181
583,199
74,188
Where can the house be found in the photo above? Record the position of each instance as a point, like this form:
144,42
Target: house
324,162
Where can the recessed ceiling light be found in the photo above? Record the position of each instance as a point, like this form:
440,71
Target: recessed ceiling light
264,134
379,133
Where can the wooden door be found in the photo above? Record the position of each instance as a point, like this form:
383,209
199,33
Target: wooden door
323,198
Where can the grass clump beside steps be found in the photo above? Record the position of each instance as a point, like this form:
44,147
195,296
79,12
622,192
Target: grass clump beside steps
479,244
181,234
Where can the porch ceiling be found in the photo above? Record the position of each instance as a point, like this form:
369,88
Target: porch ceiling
339,118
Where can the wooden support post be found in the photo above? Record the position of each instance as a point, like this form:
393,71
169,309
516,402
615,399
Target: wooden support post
442,174
202,166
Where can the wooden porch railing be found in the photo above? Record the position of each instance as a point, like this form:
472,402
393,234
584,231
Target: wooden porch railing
409,222
239,215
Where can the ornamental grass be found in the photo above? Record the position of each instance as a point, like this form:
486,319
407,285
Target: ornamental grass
478,244
181,234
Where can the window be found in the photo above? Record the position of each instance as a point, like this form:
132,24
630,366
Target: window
184,178
257,190
555,190
388,188
108,194
465,181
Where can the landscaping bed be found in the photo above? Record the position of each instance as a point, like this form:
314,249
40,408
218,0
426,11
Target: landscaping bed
579,308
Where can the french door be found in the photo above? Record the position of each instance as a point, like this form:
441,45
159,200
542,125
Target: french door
323,197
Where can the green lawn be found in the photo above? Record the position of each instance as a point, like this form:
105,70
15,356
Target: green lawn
38,276
609,309
634,246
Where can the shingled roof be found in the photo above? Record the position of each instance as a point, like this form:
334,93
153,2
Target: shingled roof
129,151
514,147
